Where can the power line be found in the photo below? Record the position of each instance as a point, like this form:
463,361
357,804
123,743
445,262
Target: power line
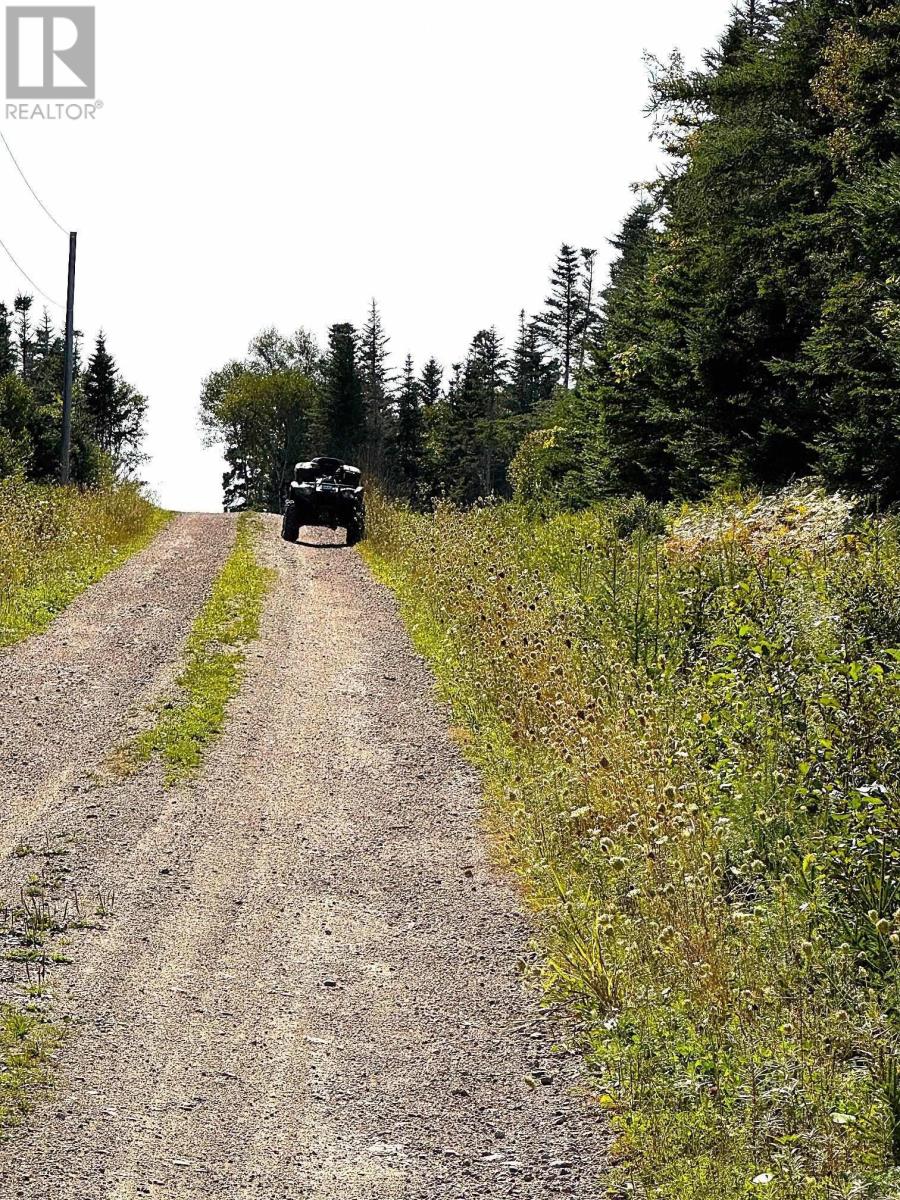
30,188
22,271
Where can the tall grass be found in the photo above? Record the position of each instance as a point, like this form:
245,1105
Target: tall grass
688,728
55,542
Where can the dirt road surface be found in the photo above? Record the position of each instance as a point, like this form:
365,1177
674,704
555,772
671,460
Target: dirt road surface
309,983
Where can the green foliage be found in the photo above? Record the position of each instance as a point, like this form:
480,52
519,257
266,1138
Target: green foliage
408,468
112,410
749,326
344,422
27,1044
538,468
688,726
267,419
55,542
563,322
267,412
377,385
214,665
108,416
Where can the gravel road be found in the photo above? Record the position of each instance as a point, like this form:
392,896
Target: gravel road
309,983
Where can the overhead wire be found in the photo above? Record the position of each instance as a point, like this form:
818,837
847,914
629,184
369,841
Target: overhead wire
48,213
22,271
28,185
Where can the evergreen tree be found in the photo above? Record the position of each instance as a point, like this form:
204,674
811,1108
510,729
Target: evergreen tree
474,462
25,346
377,384
532,376
620,419
48,362
408,442
851,362
589,315
131,413
114,411
433,414
430,383
99,389
46,401
7,346
720,352
343,407
108,416
562,321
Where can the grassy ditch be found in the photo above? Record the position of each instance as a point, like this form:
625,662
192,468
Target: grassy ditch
212,674
55,542
688,727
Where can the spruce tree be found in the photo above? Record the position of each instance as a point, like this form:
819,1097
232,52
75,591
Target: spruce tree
619,420
7,346
431,397
588,314
699,376
408,440
48,362
561,322
24,334
851,361
474,463
377,385
430,383
99,396
532,376
131,412
343,408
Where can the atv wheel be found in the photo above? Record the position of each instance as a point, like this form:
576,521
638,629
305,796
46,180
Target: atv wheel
290,526
355,532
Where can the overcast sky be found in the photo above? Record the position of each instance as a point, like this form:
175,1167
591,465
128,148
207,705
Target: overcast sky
282,163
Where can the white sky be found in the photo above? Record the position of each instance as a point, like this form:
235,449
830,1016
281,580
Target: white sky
281,162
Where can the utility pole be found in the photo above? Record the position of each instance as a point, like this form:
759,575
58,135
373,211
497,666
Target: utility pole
69,364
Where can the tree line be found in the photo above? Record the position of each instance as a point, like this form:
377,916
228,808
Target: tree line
751,324
422,433
108,412
748,333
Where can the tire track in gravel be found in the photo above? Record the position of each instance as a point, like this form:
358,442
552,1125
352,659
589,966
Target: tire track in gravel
309,985
66,695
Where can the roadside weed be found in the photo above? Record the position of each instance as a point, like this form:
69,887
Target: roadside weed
688,727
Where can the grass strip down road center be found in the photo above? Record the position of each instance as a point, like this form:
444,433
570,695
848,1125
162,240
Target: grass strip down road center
213,669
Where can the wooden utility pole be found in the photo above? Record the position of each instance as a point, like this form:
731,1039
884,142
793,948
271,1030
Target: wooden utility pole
69,365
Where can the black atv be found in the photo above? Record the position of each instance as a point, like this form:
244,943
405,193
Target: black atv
325,491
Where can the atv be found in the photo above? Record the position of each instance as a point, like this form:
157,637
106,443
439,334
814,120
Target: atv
328,492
